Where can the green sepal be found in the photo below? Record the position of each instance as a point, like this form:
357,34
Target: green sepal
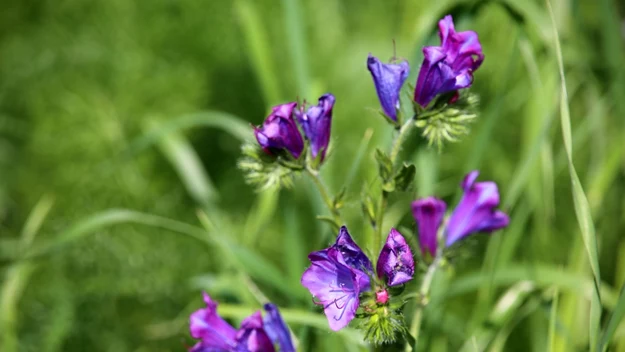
385,165
405,177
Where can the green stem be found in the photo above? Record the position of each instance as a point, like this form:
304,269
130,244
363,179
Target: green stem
325,195
424,292
395,148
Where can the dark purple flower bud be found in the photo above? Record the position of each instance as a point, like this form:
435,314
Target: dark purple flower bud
335,285
252,336
276,328
388,80
216,334
279,131
428,213
352,254
476,211
316,123
448,67
395,261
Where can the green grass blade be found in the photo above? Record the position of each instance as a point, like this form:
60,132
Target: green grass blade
17,278
231,124
294,28
580,202
90,225
189,168
553,319
259,49
613,322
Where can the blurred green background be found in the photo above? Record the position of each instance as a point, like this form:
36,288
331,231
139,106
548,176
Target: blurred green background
121,123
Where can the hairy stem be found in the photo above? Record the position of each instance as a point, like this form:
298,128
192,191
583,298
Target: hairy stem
325,195
383,200
424,292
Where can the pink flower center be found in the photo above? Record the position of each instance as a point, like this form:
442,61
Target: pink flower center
381,297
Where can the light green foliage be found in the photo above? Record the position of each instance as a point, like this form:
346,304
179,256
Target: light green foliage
131,115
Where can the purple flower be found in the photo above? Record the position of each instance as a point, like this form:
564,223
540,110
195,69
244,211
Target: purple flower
279,131
428,213
475,213
352,254
277,329
214,332
335,285
448,67
254,335
388,80
316,123
395,261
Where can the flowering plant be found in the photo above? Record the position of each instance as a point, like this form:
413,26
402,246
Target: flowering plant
374,295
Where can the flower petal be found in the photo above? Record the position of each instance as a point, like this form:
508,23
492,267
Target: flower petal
395,261
252,336
277,329
388,80
207,325
317,123
353,255
279,131
335,285
428,213
476,211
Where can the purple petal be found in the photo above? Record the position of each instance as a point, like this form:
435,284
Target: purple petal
476,211
215,332
316,123
388,80
276,328
353,255
428,213
448,67
335,285
396,261
252,336
279,131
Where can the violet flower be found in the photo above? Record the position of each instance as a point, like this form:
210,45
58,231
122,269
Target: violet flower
388,80
279,131
339,274
396,261
316,123
448,67
254,335
475,213
335,285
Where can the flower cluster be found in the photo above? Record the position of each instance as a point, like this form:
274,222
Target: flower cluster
475,213
280,133
256,334
340,274
445,70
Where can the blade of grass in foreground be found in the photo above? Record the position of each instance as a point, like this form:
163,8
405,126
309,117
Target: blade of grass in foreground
580,202
613,323
17,278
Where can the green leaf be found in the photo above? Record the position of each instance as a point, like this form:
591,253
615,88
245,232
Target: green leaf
580,202
613,322
385,165
405,177
368,206
339,198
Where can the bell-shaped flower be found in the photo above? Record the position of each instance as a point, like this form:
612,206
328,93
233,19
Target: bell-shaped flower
428,213
279,131
475,213
395,261
316,123
448,67
276,328
388,80
335,285
214,332
254,335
